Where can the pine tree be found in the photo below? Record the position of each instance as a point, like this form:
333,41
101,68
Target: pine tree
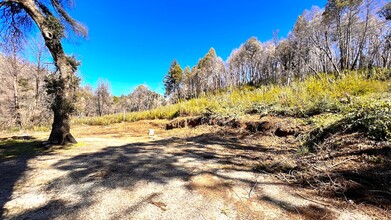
172,81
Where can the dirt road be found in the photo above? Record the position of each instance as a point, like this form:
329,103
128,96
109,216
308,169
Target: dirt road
118,172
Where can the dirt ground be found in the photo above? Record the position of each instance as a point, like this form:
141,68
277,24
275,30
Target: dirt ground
119,172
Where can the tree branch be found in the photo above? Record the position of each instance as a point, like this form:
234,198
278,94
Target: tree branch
76,27
5,2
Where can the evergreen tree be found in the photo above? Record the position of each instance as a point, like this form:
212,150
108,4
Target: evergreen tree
172,81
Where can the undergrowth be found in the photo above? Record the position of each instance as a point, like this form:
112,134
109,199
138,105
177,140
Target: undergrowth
370,116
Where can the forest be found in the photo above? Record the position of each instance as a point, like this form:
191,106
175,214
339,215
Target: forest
341,37
295,127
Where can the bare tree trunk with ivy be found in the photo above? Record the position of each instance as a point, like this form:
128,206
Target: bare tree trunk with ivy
60,86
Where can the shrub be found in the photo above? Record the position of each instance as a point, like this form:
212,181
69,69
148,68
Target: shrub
380,74
372,117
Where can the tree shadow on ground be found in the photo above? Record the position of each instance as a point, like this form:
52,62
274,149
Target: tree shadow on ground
213,154
15,152
303,212
157,162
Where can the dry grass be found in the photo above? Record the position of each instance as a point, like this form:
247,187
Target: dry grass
315,94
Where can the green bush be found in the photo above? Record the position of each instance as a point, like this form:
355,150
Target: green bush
372,117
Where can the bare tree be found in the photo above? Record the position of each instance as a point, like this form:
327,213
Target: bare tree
39,53
103,98
143,98
13,67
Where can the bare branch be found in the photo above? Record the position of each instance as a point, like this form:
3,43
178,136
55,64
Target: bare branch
2,3
76,26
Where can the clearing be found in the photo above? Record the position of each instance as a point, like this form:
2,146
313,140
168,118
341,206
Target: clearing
206,172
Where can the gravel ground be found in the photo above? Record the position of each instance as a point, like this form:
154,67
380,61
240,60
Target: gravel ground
121,173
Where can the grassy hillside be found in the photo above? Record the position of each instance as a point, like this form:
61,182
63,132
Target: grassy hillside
349,93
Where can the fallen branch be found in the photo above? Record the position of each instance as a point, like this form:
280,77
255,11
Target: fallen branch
252,188
380,191
161,205
344,161
320,203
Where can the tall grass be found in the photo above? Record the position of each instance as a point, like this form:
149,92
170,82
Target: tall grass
315,94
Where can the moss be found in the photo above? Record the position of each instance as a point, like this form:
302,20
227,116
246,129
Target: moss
73,62
55,27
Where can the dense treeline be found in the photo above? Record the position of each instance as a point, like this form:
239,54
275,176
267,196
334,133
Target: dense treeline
345,35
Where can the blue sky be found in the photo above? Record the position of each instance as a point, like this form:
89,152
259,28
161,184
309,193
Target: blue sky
133,42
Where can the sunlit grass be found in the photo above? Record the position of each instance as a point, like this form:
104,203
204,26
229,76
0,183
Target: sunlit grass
315,94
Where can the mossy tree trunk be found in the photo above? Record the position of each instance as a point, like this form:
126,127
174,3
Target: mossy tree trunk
62,91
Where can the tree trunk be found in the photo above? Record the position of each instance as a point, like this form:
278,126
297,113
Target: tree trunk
37,78
362,42
329,55
62,105
60,133
18,120
36,91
